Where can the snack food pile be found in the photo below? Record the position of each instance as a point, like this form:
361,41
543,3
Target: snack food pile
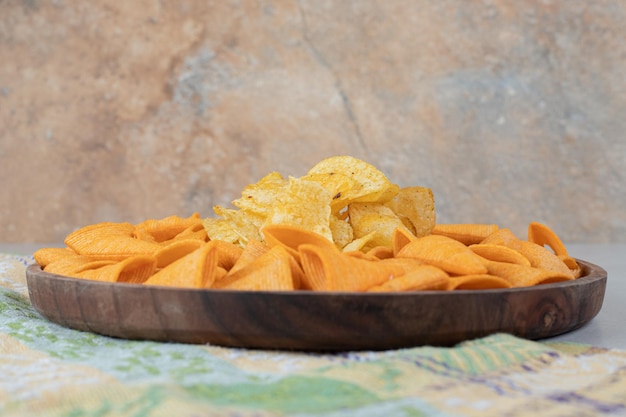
341,227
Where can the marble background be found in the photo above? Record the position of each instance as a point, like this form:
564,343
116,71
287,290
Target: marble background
511,111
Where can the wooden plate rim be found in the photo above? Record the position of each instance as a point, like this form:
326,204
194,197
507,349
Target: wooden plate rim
591,273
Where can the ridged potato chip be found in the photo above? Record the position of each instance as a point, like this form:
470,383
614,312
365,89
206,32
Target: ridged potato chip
367,218
305,204
339,185
415,206
259,197
341,230
221,229
369,184
244,223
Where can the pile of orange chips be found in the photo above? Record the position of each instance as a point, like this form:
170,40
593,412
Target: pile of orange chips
342,227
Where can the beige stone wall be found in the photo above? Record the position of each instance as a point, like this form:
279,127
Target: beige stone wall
511,111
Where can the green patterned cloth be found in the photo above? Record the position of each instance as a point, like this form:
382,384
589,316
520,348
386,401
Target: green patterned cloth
49,370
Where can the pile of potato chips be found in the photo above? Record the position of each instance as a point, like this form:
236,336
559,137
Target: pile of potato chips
342,227
344,199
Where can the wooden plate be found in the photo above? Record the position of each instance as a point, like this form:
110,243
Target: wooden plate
304,320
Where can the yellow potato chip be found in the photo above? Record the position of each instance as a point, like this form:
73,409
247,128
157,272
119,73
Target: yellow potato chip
359,243
259,197
417,206
370,184
341,231
337,185
220,229
378,219
244,223
305,204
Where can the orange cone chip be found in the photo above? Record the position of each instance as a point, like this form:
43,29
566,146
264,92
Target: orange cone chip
132,270
269,272
543,258
401,237
220,273
73,265
195,270
524,276
467,234
113,241
446,253
499,253
380,252
228,253
291,237
362,255
331,270
503,237
45,256
421,278
176,250
573,266
477,282
168,228
195,232
300,281
253,250
542,235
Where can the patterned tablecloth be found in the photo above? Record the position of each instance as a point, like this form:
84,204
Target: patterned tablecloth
49,370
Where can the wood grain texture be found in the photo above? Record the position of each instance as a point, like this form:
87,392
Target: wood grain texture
312,321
